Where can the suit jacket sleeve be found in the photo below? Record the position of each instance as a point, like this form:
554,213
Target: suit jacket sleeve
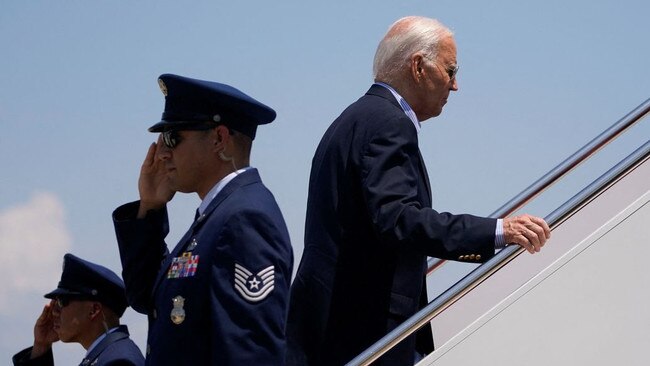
142,249
392,185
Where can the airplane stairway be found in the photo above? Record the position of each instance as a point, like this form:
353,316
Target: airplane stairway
588,302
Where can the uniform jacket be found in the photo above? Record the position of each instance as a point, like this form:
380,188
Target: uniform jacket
369,228
221,296
116,349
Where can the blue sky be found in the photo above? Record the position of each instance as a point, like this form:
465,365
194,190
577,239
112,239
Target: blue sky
78,89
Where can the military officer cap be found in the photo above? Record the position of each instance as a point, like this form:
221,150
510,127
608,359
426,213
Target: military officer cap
91,281
192,104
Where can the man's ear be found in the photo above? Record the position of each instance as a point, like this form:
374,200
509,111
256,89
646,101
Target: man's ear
220,136
95,309
417,67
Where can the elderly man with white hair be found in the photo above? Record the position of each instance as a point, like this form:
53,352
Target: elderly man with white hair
370,223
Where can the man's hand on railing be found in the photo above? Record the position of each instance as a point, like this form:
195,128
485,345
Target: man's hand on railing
530,232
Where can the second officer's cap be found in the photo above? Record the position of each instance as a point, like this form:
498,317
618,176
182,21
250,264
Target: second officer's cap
81,278
191,103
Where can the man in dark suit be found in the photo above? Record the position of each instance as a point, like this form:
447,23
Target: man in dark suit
221,296
370,224
85,308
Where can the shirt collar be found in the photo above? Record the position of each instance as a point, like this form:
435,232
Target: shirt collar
405,106
99,339
218,187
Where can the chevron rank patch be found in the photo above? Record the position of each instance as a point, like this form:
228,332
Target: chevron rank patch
254,287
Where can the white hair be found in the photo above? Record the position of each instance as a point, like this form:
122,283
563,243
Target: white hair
405,37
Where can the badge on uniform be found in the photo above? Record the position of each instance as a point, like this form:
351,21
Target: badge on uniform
183,266
178,313
192,245
254,287
87,362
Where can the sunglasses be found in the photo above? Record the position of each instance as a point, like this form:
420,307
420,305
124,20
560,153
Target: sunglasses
171,138
452,71
64,301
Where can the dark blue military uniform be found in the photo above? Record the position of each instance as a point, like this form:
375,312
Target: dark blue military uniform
115,349
221,296
81,278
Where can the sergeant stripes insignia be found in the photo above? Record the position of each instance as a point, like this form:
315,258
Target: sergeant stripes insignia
254,287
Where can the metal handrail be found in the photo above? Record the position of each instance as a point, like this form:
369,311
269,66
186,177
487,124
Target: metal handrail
561,170
506,255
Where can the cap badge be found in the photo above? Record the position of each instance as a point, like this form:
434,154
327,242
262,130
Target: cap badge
178,313
163,87
254,287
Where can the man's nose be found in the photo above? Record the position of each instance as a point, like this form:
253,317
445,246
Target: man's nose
163,153
454,84
56,311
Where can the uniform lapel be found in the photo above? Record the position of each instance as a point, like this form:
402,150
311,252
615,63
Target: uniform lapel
242,179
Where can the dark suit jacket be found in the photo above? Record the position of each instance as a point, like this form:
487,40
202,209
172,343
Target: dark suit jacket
116,349
232,269
369,228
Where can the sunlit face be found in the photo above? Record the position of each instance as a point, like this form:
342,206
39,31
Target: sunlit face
185,164
438,81
71,320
